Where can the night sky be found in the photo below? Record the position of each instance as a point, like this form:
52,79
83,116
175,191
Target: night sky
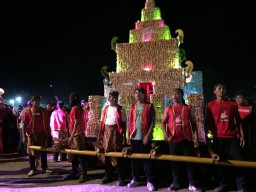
54,47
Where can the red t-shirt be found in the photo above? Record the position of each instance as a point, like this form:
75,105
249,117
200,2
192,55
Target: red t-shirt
244,111
77,113
223,114
37,120
59,119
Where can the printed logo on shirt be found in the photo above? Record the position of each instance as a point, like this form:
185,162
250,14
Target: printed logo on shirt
178,121
244,110
224,116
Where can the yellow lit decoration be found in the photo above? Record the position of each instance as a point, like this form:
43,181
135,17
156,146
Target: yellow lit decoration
189,70
95,104
180,36
113,43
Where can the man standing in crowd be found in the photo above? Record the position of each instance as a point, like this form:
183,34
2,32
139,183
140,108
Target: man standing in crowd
180,131
141,121
223,121
113,129
3,112
36,131
21,147
59,123
77,138
247,114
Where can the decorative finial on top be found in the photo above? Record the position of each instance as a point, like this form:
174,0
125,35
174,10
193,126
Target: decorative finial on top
150,4
180,36
113,43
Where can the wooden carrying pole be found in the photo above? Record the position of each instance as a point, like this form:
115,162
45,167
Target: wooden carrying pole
71,151
203,160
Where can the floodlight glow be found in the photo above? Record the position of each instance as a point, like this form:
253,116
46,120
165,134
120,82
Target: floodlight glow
18,99
11,102
1,91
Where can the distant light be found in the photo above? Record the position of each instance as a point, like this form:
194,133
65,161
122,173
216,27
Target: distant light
51,85
1,91
18,99
11,102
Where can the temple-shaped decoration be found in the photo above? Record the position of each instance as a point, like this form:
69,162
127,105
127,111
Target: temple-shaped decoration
152,60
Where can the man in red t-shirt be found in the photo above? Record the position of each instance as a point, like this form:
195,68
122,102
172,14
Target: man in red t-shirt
59,123
36,131
247,113
77,138
180,131
223,120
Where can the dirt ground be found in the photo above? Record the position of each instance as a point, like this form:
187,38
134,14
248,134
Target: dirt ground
14,169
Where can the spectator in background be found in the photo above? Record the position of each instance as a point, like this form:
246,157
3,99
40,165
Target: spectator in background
10,131
59,123
50,108
21,147
3,112
247,114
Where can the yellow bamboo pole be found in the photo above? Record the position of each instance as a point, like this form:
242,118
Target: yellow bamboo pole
82,152
71,151
202,160
40,148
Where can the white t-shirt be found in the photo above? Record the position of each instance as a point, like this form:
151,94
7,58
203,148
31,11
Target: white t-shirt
111,115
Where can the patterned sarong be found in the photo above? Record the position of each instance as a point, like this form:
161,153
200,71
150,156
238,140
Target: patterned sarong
60,140
38,139
112,141
78,144
79,141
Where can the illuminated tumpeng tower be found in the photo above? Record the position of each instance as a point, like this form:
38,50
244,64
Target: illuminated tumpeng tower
152,60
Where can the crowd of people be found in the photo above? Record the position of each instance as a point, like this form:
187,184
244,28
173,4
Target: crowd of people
231,123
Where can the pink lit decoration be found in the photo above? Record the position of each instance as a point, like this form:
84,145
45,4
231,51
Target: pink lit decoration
148,67
148,88
147,38
149,24
161,23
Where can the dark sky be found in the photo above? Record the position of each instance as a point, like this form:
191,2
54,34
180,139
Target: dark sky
65,43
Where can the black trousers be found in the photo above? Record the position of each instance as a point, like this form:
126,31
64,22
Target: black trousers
79,159
120,168
32,161
63,156
229,148
147,164
185,148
